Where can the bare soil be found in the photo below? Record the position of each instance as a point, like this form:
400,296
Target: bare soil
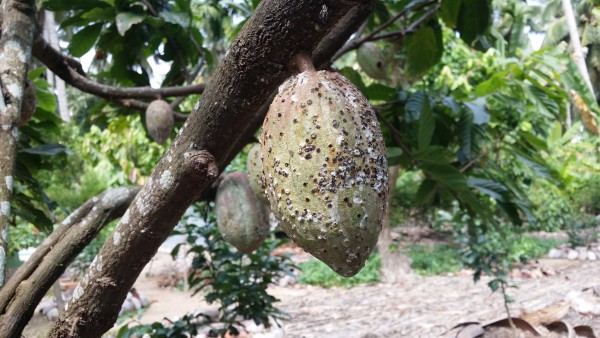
416,307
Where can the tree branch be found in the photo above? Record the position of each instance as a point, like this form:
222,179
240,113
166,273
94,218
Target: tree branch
33,279
71,72
373,36
17,29
228,115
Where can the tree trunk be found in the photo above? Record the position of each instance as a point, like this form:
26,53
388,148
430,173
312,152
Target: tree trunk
578,56
18,24
394,264
55,82
231,110
35,277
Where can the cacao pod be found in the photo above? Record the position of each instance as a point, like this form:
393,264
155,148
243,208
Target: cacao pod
325,169
242,219
159,120
255,173
371,60
29,103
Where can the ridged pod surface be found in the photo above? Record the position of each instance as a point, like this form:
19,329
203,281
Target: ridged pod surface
371,60
325,168
159,120
242,219
255,172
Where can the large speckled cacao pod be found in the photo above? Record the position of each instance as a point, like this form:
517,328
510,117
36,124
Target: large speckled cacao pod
242,219
29,103
159,120
371,60
255,173
325,168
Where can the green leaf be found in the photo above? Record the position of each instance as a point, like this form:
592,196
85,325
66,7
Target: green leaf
465,131
84,39
423,50
392,152
446,175
474,19
354,77
68,5
50,149
379,92
433,154
426,125
426,192
125,20
176,18
556,32
480,114
414,105
488,187
449,10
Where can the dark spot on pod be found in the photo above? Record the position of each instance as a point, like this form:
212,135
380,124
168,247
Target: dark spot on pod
295,121
278,114
336,124
309,102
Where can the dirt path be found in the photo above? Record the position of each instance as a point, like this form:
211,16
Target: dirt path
422,306
419,307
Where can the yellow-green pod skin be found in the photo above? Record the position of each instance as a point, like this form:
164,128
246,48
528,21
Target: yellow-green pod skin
325,168
242,219
255,172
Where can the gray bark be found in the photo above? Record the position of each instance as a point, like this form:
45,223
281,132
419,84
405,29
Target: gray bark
15,53
33,279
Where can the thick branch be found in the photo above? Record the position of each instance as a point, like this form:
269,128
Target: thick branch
228,115
71,72
33,279
17,29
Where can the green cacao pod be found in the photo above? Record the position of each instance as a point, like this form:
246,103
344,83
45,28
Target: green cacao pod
29,103
242,219
159,120
325,168
255,173
371,60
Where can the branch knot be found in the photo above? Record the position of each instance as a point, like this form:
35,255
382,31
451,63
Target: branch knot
202,163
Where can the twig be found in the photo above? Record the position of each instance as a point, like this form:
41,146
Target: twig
357,42
396,133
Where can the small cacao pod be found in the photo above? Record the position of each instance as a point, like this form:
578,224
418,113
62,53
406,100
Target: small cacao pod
371,60
325,168
242,219
29,103
159,120
255,173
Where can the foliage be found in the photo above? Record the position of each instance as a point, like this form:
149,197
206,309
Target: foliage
434,259
315,272
188,325
237,282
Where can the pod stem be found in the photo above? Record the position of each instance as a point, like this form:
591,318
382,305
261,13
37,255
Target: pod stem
303,62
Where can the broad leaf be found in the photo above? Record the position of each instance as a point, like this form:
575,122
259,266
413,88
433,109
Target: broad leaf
423,49
480,114
446,175
125,20
84,39
426,125
474,19
50,149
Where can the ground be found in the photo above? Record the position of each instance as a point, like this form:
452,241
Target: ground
416,307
